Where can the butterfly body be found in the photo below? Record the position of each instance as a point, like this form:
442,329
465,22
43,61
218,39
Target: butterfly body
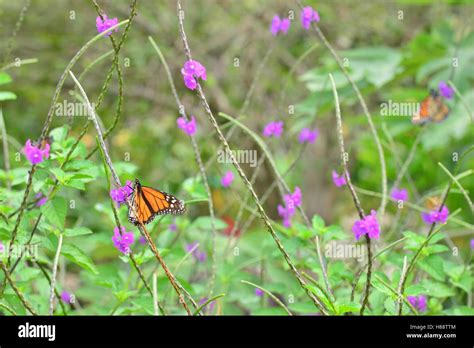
147,202
432,108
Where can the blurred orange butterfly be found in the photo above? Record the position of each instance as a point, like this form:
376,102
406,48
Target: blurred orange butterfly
432,108
42,144
147,202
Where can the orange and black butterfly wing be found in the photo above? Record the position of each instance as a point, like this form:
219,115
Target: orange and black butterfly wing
424,114
440,110
148,202
138,213
432,108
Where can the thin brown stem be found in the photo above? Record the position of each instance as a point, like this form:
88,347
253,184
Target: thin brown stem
318,303
355,198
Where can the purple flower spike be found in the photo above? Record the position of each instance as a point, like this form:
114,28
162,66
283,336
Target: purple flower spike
123,241
273,129
190,82
472,244
209,308
259,292
42,199
103,25
436,216
399,194
121,194
279,25
292,201
367,226
445,90
308,135
198,255
308,15
227,179
188,127
67,297
34,154
191,71
419,302
286,214
172,226
339,180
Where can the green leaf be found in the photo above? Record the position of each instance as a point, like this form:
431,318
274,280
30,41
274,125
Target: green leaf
437,289
78,184
78,231
317,222
347,307
5,95
4,78
433,265
58,134
55,211
79,257
415,290
303,231
378,65
60,175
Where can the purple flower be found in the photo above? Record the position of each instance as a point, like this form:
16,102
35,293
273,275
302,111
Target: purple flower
472,244
419,302
436,216
67,297
103,25
34,154
273,129
445,90
368,225
142,240
191,71
198,255
188,127
399,194
123,241
279,25
308,135
2,247
193,67
339,180
209,307
172,226
286,214
190,82
42,199
227,179
292,201
121,194
259,292
308,15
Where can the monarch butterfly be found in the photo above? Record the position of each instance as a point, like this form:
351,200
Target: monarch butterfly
147,202
433,202
48,140
432,109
